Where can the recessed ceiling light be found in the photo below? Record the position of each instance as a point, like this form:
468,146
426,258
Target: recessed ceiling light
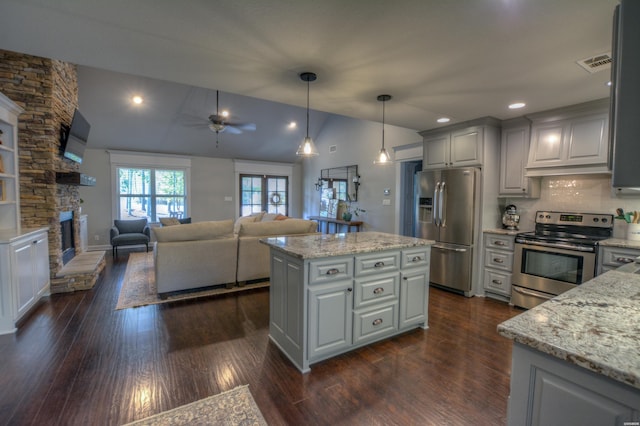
137,100
443,120
517,105
293,125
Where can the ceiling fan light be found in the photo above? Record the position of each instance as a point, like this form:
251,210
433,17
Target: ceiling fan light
307,148
217,127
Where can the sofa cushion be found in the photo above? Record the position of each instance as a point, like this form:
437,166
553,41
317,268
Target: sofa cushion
185,220
169,221
130,226
277,227
209,230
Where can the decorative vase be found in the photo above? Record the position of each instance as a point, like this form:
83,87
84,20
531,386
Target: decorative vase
346,216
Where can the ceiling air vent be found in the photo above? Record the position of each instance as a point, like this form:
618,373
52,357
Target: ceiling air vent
596,63
333,149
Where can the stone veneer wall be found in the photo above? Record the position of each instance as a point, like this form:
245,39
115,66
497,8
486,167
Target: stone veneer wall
47,89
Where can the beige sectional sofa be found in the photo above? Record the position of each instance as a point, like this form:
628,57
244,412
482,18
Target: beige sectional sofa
204,254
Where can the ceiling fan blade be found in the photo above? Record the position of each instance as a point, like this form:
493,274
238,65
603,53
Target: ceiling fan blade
250,127
232,130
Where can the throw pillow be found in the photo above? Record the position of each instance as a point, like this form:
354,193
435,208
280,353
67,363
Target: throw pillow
268,217
281,217
243,219
169,221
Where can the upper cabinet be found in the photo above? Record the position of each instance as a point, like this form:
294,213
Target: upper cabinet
570,140
460,145
514,151
9,176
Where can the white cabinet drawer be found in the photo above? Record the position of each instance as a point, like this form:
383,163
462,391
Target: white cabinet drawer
503,242
375,323
376,290
377,263
415,257
497,281
333,269
616,256
498,259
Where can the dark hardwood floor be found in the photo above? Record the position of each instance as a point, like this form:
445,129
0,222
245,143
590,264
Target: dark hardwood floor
77,361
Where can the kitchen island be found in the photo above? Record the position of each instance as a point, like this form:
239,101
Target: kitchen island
576,358
333,293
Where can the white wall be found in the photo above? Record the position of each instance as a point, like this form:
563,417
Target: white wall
212,179
357,143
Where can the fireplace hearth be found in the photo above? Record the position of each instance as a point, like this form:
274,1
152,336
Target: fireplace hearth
66,232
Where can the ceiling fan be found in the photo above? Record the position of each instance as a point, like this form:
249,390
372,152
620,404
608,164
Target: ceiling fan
218,122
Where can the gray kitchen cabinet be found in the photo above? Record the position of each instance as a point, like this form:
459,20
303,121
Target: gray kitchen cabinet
549,391
460,145
498,265
514,151
570,140
322,307
612,257
330,326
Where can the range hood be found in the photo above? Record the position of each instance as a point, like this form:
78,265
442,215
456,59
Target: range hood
625,99
75,178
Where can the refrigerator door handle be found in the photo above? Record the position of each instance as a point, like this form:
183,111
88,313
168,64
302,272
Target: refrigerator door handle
441,206
457,250
435,205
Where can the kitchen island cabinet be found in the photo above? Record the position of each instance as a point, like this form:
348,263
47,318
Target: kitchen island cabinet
576,358
333,293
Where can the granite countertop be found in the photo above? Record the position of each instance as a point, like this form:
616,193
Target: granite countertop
502,231
595,325
8,236
620,242
327,245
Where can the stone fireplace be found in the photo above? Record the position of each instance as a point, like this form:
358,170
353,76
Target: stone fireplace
47,89
67,243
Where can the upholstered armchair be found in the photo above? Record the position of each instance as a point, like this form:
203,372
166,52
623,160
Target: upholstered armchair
128,233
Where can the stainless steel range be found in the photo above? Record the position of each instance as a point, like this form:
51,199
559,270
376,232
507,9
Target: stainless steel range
559,255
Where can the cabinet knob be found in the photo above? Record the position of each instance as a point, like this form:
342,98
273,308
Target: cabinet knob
378,264
377,321
624,260
416,258
498,282
498,260
498,243
332,271
349,289
378,290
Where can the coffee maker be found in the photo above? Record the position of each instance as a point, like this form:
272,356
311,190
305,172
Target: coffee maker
510,217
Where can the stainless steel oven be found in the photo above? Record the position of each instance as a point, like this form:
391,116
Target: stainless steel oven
558,256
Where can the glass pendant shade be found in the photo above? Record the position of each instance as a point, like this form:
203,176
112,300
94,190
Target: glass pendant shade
307,148
383,155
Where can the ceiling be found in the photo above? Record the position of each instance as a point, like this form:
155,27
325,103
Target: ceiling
462,59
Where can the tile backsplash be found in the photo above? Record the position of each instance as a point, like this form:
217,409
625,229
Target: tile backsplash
572,193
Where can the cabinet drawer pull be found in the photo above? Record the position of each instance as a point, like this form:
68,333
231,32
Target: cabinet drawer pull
378,264
624,260
497,260
332,271
498,282
349,290
378,290
498,243
377,321
416,258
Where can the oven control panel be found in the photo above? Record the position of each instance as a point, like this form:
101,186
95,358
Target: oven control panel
599,220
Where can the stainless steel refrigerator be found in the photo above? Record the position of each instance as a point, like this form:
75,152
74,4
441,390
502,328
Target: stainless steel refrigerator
446,203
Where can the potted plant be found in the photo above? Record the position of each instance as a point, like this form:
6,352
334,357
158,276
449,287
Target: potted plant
351,210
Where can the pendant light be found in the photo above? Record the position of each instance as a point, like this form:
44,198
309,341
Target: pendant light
383,155
307,148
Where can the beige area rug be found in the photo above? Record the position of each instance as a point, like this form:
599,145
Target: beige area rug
234,407
139,285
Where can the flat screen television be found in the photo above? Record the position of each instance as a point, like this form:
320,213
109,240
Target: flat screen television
73,139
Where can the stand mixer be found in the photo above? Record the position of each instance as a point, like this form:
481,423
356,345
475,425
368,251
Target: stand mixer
510,217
